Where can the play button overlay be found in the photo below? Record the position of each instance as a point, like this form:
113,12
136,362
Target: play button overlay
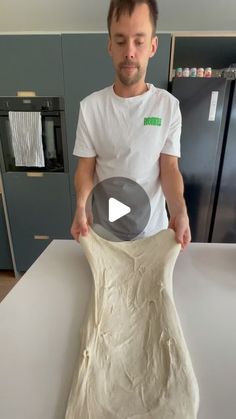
117,210
120,209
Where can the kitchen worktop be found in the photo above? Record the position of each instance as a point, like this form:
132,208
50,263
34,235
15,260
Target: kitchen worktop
40,321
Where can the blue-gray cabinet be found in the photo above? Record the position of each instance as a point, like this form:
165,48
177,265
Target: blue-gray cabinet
39,211
31,62
37,207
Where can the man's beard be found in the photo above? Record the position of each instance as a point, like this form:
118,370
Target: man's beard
129,80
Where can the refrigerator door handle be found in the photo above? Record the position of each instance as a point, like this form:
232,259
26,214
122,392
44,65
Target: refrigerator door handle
213,106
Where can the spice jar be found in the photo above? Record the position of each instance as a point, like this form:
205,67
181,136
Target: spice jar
193,72
179,72
186,72
208,72
200,72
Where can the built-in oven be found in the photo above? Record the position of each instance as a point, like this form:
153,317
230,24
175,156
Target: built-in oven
51,113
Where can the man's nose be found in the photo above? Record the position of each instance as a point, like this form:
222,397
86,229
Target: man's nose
129,52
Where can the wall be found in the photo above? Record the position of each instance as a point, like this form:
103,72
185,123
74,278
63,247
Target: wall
89,15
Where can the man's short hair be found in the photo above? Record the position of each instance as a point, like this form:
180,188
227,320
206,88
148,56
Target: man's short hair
118,7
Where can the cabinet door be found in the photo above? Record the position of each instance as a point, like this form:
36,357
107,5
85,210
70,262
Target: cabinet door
39,211
31,62
88,68
5,255
204,51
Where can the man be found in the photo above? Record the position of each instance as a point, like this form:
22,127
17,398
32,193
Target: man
132,129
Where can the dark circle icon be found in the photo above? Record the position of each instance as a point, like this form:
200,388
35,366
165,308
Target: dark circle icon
120,209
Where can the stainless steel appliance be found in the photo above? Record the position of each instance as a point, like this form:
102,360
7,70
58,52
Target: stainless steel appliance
208,161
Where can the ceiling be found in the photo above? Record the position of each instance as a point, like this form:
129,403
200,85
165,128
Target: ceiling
90,15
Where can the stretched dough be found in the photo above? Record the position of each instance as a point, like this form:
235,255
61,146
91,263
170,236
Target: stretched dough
134,362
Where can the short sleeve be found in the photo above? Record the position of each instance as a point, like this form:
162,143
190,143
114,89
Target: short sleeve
172,143
83,142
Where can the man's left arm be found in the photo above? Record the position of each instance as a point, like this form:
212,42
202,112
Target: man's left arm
173,189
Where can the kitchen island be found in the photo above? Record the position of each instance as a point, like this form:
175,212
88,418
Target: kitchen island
41,319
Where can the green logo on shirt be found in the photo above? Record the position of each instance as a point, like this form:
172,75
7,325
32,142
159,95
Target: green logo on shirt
152,120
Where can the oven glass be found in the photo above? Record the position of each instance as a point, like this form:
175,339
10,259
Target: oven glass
51,140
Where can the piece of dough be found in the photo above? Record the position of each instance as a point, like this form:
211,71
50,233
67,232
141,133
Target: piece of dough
134,362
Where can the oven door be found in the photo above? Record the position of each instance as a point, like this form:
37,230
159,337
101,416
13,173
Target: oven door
51,140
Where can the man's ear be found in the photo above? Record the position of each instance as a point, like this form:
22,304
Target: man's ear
109,46
154,46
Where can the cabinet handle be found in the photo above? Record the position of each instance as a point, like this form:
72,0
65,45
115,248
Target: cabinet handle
41,237
34,174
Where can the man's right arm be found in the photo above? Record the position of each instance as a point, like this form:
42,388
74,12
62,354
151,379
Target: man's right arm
83,181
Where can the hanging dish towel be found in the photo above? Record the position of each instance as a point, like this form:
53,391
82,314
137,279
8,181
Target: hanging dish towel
26,129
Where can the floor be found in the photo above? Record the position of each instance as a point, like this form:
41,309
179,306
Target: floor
7,282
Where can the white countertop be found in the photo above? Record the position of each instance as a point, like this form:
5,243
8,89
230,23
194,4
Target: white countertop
41,317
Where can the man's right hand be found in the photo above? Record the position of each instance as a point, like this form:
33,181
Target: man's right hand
83,185
80,224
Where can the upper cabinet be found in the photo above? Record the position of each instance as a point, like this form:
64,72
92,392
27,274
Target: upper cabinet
31,63
217,52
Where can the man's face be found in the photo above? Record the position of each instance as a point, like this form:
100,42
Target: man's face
131,45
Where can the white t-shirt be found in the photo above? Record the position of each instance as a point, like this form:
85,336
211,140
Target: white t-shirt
127,136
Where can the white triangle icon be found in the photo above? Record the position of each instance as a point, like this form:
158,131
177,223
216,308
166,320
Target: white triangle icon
117,210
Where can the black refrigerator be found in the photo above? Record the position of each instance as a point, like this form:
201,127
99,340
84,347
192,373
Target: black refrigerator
208,156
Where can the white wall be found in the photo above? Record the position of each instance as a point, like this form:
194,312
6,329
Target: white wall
90,15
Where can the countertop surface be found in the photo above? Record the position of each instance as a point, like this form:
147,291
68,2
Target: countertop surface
40,321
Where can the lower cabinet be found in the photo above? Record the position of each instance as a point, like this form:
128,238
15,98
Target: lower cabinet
39,210
5,254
